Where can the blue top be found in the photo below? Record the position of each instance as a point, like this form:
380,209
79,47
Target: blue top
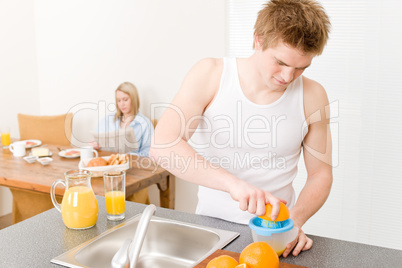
261,227
143,130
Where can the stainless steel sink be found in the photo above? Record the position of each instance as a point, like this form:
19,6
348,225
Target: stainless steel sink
168,243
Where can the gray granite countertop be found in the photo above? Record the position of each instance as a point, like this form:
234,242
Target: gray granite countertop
34,242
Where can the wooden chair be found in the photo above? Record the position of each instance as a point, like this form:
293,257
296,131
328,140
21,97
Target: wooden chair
154,122
49,130
54,129
27,204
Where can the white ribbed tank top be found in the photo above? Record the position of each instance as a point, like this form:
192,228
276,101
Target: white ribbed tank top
260,144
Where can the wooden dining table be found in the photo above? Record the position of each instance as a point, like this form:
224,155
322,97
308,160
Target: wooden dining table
30,183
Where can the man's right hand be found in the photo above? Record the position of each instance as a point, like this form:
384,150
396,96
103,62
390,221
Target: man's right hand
253,199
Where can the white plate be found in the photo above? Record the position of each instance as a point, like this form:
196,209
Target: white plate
32,143
65,152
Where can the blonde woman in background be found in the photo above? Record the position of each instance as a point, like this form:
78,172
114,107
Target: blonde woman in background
128,116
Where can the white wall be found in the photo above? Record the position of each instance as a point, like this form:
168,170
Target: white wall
18,71
86,49
76,53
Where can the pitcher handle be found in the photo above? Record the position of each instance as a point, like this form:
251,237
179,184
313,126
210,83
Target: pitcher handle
96,153
53,194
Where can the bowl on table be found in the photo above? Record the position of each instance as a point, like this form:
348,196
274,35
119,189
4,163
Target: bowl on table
45,160
30,159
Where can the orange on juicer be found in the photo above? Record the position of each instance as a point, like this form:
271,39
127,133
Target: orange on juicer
276,233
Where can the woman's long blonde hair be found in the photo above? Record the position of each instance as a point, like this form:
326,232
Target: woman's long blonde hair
132,91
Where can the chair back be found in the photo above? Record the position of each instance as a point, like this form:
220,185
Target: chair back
154,122
55,129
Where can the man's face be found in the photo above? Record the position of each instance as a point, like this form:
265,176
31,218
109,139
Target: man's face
280,65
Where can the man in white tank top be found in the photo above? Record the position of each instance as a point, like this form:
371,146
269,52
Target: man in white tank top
248,119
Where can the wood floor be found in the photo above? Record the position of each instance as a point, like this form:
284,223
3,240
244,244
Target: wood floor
6,221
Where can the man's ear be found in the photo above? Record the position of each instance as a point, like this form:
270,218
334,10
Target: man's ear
257,42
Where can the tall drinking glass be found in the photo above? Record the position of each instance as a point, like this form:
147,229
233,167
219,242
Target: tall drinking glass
115,194
5,137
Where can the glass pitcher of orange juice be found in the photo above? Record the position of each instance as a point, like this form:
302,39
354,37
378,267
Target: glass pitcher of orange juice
79,207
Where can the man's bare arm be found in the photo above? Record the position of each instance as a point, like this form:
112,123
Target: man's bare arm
317,152
178,123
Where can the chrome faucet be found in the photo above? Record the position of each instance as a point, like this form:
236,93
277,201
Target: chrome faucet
127,255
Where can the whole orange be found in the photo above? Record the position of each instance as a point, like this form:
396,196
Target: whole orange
223,261
259,255
282,216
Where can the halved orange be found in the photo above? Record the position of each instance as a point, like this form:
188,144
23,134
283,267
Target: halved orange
222,261
282,216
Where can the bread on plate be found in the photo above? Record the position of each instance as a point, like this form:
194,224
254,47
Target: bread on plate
97,162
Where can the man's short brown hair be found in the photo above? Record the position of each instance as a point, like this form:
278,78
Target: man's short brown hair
302,24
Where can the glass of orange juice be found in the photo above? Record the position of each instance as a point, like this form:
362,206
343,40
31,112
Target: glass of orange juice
5,137
115,194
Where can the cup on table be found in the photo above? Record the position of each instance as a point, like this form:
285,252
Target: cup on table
87,152
17,148
115,194
5,137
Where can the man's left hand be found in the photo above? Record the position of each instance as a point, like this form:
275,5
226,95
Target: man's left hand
301,243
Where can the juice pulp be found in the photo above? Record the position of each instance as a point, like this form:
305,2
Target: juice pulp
280,252
115,202
79,207
278,246
5,139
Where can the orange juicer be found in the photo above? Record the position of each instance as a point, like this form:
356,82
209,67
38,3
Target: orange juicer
276,233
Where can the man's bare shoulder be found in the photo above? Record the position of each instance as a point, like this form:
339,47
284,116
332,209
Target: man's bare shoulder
314,96
207,67
202,81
